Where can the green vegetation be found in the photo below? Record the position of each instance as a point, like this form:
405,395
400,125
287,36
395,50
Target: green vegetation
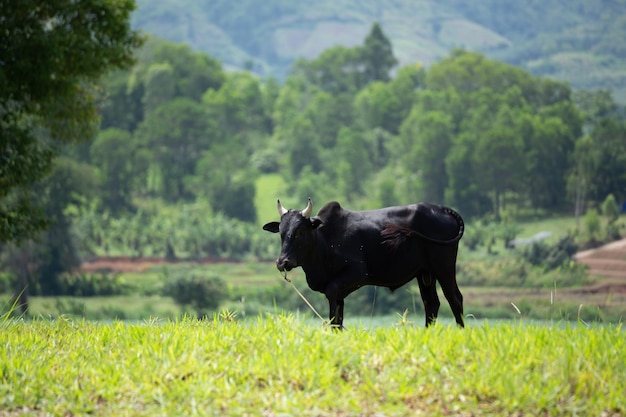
577,41
53,56
278,365
188,161
491,276
189,156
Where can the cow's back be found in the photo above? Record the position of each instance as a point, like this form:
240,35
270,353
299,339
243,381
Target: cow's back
356,238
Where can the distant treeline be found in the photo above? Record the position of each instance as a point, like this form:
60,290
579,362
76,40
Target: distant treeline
473,133
179,133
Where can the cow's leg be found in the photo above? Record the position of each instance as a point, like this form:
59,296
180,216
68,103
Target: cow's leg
339,316
454,297
428,291
445,272
335,302
335,315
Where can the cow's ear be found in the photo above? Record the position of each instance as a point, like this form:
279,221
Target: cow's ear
316,222
271,227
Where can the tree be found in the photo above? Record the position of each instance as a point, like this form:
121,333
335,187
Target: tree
427,137
329,113
52,53
595,105
467,72
303,148
584,162
230,191
609,139
377,55
54,251
111,152
550,146
346,70
351,162
336,70
194,72
121,107
160,86
175,134
237,107
387,104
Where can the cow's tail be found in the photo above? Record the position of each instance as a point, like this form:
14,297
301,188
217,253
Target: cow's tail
459,221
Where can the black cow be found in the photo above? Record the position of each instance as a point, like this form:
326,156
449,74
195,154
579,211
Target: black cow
342,250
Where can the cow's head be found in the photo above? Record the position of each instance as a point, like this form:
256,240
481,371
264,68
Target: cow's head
296,228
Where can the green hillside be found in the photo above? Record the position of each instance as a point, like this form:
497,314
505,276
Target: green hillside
578,41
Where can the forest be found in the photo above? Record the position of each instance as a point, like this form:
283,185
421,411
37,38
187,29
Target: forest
189,158
470,132
577,41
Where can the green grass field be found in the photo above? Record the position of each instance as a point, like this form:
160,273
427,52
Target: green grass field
281,366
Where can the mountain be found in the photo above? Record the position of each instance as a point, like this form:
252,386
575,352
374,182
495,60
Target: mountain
581,41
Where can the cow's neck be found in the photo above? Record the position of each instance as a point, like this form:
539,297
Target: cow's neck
318,265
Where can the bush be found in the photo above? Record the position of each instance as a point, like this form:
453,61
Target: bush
610,209
197,292
474,237
92,285
508,231
551,257
592,223
497,273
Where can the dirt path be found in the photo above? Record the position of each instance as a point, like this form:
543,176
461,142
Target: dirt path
608,261
130,264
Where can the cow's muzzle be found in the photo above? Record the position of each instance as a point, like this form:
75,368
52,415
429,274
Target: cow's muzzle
284,264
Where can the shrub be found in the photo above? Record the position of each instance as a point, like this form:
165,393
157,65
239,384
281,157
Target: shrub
508,231
592,223
474,237
91,285
610,210
497,273
198,292
551,257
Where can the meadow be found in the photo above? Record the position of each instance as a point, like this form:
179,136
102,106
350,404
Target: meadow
280,365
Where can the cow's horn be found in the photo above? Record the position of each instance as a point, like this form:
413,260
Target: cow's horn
281,209
307,211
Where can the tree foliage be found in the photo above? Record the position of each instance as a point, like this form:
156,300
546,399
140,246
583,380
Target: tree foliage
474,133
479,135
52,55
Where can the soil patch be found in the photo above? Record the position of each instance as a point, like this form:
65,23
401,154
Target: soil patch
130,264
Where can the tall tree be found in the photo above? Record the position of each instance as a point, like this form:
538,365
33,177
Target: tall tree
336,70
52,53
159,86
175,135
111,153
194,72
237,107
609,138
41,261
303,148
230,191
377,55
351,162
426,138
